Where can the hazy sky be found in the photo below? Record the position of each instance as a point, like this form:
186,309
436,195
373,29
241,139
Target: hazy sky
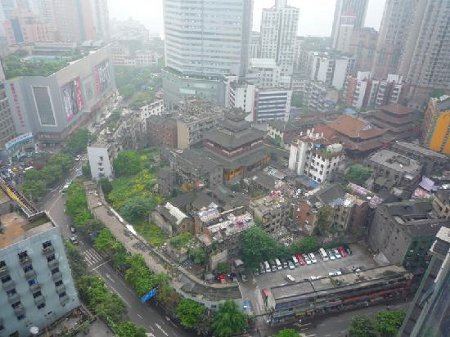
316,16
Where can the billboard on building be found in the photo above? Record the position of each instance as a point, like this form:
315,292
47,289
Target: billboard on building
102,77
72,98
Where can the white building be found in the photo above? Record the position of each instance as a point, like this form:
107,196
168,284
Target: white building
264,73
153,109
330,69
310,156
279,25
101,156
272,104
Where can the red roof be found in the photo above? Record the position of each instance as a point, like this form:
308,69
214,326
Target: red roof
397,109
355,128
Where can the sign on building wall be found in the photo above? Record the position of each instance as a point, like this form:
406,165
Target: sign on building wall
72,98
102,77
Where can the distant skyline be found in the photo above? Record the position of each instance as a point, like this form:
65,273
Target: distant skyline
316,17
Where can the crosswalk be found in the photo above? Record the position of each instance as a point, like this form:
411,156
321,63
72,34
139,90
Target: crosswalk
92,257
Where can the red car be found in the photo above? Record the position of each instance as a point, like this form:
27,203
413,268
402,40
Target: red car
342,251
300,259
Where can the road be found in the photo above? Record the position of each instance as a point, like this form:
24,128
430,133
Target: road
154,321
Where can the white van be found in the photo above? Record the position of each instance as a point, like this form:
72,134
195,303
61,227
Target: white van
267,266
323,254
312,257
278,263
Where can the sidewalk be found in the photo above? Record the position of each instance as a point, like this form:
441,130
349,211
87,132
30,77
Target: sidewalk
97,329
183,281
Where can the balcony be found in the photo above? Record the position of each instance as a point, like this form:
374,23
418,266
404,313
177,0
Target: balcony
13,298
39,300
53,264
4,271
57,276
48,250
31,274
25,261
19,310
60,289
9,285
35,287
64,300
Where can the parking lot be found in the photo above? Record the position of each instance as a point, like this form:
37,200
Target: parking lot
251,289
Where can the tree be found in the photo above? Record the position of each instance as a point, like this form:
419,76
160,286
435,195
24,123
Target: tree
258,246
139,276
77,142
306,244
358,174
223,267
33,189
62,160
106,242
106,186
387,323
229,320
324,219
129,329
198,256
287,333
127,163
362,326
190,313
76,261
137,208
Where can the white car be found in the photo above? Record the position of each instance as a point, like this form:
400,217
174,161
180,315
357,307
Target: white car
307,259
337,254
335,273
331,254
290,278
313,258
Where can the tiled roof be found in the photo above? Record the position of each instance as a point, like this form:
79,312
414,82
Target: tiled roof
355,128
397,109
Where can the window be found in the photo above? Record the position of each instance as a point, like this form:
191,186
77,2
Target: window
62,294
51,258
40,306
21,317
32,282
56,270
58,283
2,264
6,278
23,255
37,294
11,292
46,244
15,305
28,268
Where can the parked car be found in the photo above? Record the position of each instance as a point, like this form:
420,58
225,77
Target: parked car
243,277
300,259
342,251
284,263
290,278
307,259
72,229
267,267
312,257
336,252
294,259
331,254
262,269
74,239
291,265
335,273
273,265
278,263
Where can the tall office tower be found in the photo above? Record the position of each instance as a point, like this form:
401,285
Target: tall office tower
425,58
348,16
429,314
204,40
279,26
394,30
38,288
7,8
7,129
100,15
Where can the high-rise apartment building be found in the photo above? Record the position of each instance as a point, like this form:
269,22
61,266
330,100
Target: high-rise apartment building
37,285
348,16
7,129
279,25
394,31
204,41
426,55
436,125
429,313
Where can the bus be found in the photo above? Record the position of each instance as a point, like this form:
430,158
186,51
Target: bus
323,254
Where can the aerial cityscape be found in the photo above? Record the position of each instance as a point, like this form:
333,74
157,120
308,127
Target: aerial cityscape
226,174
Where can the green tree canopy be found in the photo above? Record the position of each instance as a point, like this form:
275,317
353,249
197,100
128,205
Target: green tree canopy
198,256
287,333
106,242
388,323
137,208
127,163
190,313
129,329
306,244
358,174
362,326
229,320
78,142
258,246
324,220
106,186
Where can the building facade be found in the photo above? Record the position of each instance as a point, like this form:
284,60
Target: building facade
7,129
279,25
348,16
330,68
203,42
101,156
51,107
38,288
363,44
436,125
272,212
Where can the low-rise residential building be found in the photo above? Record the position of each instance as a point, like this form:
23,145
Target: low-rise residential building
321,97
436,125
433,162
171,220
400,122
162,130
441,204
223,229
101,156
314,156
155,108
166,182
38,288
264,73
272,212
334,294
403,232
393,171
284,132
358,136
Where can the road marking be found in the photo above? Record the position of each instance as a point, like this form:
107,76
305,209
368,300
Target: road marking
109,278
162,330
113,289
100,265
140,316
